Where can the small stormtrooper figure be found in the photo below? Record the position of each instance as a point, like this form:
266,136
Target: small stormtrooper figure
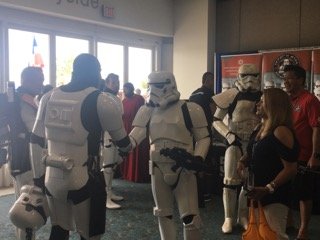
282,86
269,84
171,124
70,121
225,86
110,154
316,89
240,104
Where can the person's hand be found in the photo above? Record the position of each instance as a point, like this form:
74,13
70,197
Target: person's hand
242,169
39,182
258,193
233,139
313,163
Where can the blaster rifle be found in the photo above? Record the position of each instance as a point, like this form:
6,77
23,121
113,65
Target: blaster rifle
184,159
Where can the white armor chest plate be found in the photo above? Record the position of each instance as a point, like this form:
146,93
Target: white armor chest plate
168,124
244,119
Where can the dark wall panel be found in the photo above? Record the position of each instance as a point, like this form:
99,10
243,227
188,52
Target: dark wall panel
249,25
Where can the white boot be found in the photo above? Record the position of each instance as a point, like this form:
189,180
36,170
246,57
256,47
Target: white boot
243,211
108,176
110,204
115,197
229,203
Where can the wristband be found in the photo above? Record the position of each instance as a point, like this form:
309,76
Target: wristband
270,188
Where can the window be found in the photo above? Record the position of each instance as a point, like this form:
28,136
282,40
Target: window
67,49
27,49
111,59
140,66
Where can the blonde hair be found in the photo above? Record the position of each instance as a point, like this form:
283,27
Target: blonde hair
278,108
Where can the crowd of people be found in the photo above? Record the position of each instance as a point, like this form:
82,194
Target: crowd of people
76,137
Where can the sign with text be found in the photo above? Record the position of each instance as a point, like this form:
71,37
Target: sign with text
231,63
273,64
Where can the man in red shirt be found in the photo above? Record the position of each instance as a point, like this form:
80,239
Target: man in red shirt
135,168
306,118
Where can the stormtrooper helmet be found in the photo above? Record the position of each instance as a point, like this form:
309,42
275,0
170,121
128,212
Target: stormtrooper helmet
30,210
316,92
248,78
162,89
269,84
317,84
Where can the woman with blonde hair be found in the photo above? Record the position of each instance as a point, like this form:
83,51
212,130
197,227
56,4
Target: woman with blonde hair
272,158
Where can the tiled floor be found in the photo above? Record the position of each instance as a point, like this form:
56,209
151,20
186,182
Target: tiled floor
6,191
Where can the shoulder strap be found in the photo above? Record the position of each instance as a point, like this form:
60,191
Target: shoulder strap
233,105
90,120
186,116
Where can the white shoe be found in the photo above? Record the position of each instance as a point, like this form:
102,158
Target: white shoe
227,225
112,205
243,221
115,197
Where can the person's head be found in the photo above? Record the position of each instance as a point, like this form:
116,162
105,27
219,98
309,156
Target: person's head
248,78
162,89
86,71
112,82
32,80
128,89
294,79
272,112
138,91
208,80
317,84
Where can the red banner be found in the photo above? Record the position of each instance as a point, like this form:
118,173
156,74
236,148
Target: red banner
273,64
231,63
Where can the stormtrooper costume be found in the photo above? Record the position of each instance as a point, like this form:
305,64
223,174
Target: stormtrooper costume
111,159
164,119
239,103
316,89
71,120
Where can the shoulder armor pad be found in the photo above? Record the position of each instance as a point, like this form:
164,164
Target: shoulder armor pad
142,117
197,115
43,104
224,99
109,114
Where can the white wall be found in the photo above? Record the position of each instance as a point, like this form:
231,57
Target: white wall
148,16
193,43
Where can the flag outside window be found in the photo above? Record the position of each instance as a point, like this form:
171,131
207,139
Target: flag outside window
36,60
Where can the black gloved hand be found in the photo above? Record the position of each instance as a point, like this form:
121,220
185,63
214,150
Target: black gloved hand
39,182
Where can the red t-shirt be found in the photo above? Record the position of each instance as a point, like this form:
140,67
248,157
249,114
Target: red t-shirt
306,115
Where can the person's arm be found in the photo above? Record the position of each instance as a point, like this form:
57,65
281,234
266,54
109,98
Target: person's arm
38,145
314,161
140,125
313,115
